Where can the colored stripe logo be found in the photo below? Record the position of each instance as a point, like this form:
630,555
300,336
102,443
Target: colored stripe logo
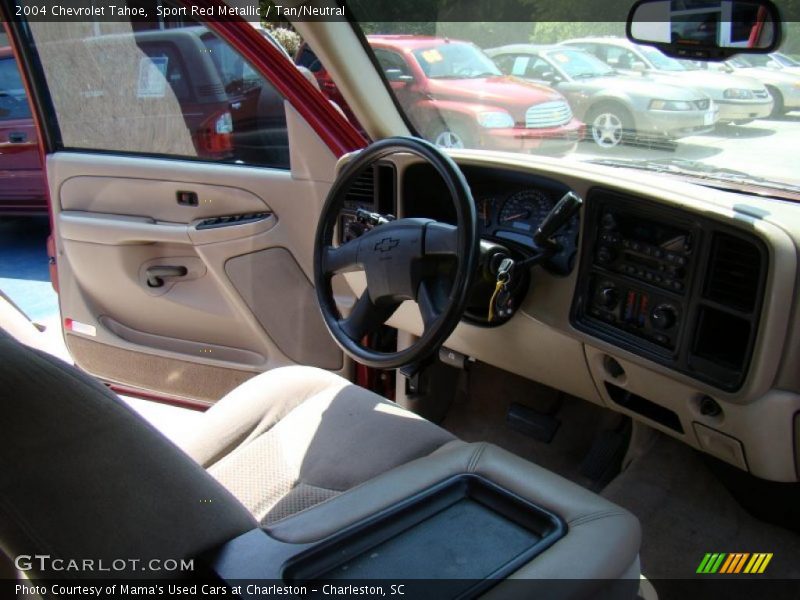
734,563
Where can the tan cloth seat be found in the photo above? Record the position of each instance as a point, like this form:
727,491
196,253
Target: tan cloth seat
298,451
296,436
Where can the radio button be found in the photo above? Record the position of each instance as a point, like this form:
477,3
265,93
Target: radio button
605,255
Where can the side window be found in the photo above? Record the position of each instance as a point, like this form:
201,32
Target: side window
594,49
309,60
505,62
620,58
391,60
531,67
179,92
13,101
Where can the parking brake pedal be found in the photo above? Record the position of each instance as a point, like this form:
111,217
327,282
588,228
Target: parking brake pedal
531,422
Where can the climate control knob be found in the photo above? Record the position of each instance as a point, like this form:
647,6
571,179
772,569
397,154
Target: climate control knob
608,296
664,316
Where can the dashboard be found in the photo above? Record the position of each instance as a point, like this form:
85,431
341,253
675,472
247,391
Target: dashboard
670,302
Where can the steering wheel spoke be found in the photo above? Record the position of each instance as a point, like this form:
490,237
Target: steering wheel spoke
366,317
342,259
441,239
426,300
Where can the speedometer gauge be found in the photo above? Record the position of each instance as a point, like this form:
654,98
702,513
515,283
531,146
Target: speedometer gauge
525,210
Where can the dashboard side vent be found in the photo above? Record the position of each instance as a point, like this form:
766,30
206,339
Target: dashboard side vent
362,190
734,272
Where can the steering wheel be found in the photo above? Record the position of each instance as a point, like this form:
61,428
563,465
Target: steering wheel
424,260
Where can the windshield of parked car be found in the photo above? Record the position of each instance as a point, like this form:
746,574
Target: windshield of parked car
740,62
579,65
661,61
576,90
455,60
784,60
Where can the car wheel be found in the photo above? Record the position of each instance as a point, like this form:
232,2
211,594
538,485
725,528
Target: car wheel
742,122
777,108
609,125
450,135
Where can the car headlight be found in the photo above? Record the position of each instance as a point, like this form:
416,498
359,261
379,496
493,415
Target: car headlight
738,94
670,105
495,119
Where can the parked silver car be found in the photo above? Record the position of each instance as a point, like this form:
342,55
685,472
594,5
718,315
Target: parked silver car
783,84
740,99
775,60
615,107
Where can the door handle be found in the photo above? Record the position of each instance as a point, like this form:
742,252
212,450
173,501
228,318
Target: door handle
156,275
17,137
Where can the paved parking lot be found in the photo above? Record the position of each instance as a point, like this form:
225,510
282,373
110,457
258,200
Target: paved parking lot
766,147
24,273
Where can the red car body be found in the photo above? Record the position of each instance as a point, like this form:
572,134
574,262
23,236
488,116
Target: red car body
432,103
22,182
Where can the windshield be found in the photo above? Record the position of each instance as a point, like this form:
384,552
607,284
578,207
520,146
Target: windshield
455,60
660,61
784,60
561,96
579,65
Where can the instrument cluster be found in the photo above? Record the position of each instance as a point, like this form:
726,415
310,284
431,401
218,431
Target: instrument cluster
514,215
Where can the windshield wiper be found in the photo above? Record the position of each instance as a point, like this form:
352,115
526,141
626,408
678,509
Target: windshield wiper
701,171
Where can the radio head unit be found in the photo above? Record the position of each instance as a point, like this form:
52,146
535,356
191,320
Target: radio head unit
677,288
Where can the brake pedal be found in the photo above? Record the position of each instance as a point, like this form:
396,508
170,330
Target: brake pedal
604,458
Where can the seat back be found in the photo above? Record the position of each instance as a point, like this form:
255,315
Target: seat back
82,476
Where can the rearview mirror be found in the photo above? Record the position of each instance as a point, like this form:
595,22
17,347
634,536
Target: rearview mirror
706,29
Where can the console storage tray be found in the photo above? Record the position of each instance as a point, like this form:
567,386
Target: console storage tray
465,528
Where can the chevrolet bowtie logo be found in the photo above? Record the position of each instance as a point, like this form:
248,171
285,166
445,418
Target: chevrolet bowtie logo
386,244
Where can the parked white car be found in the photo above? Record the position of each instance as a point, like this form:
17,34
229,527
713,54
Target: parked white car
740,99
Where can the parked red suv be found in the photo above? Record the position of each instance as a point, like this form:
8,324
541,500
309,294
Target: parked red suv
22,184
195,82
457,97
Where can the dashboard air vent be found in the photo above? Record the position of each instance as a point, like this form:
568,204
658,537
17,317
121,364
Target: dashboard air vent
362,190
734,272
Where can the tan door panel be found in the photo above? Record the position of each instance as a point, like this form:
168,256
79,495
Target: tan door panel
118,216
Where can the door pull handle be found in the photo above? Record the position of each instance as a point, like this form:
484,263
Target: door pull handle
156,275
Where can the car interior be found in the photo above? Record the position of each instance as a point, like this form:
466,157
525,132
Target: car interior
472,372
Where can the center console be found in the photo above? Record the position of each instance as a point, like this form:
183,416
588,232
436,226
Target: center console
676,288
463,521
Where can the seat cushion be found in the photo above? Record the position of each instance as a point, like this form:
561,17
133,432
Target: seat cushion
294,437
